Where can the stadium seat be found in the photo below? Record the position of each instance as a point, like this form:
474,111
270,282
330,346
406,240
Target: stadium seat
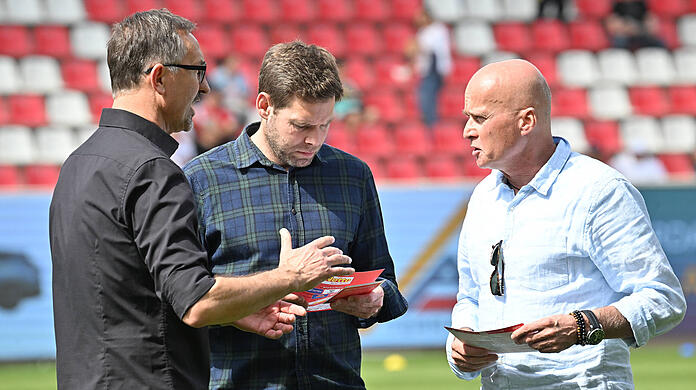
335,11
443,167
68,108
10,79
370,10
520,10
40,74
617,66
496,56
609,102
546,63
685,63
642,133
328,36
649,101
52,41
596,9
41,175
16,145
404,10
686,29
512,36
88,40
462,70
667,8
9,176
65,11
412,140
449,11
587,35
259,11
82,133
403,168
80,75
133,6
296,11
550,35
679,132
190,9
451,103
220,11
213,40
4,112
604,136
448,138
392,72
97,102
667,31
249,40
678,165
655,66
573,131
340,137
571,102
28,110
53,144
387,104
578,68
104,77
489,10
287,33
471,169
363,39
682,99
26,12
360,72
474,38
15,41
374,141
105,11
396,37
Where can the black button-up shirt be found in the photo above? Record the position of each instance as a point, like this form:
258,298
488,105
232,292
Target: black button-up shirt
127,263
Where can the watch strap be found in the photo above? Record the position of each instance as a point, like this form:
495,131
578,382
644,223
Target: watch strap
592,319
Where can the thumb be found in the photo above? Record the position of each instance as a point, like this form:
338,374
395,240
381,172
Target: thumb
285,240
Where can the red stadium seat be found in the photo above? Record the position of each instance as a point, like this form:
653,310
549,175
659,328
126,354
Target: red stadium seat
569,102
667,30
259,11
443,167
52,41
649,101
296,11
405,10
412,140
691,6
374,141
604,136
4,112
28,110
546,63
358,70
9,176
448,138
588,35
105,11
393,72
340,137
335,10
462,70
386,102
451,103
327,36
550,35
471,169
213,40
397,36
370,10
403,167
220,11
677,164
363,39
190,9
133,6
97,102
668,8
512,36
411,110
80,75
249,40
376,165
597,9
15,41
41,175
682,99
285,33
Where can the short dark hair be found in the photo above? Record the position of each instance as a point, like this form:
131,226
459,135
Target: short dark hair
296,69
142,39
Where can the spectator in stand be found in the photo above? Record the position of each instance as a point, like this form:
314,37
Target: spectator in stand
229,79
214,123
350,108
638,164
433,62
631,26
557,6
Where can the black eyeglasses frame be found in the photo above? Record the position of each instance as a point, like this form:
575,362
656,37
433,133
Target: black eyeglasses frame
198,68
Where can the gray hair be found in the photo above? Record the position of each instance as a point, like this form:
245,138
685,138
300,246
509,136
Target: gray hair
141,40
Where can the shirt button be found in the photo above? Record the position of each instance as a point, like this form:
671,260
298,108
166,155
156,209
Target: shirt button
293,211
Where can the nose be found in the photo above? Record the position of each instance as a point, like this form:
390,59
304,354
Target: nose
204,87
314,136
469,131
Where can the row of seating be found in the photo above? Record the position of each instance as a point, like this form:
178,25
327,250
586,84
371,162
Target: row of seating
64,108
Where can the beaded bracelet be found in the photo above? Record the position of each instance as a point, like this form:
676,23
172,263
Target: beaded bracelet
582,337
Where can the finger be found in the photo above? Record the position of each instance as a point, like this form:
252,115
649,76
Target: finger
285,240
296,299
273,334
286,318
291,308
323,241
339,271
330,251
470,350
338,259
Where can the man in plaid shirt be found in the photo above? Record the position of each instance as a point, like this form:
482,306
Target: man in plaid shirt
279,174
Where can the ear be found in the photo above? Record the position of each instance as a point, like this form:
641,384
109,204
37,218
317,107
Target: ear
528,120
263,105
155,78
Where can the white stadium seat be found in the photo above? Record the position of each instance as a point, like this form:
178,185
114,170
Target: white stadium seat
24,11
104,77
617,66
10,79
53,144
686,29
655,66
41,74
69,108
641,134
573,131
489,10
578,68
65,11
685,63
496,56
522,10
89,39
474,38
449,11
16,145
679,133
609,102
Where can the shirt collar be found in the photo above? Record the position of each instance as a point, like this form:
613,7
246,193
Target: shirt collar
548,174
127,120
249,153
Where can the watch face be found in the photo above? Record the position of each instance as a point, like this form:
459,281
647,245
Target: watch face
595,337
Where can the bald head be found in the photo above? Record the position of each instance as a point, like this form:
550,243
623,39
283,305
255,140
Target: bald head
512,85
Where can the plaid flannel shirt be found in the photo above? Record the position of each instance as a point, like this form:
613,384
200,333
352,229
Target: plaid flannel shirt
243,200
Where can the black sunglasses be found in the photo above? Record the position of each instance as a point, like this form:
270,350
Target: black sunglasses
200,69
497,281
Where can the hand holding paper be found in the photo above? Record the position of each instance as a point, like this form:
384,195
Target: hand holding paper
360,283
362,306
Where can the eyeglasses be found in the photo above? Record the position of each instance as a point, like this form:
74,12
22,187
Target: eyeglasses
497,281
200,70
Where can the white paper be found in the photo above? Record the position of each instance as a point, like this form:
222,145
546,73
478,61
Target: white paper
497,341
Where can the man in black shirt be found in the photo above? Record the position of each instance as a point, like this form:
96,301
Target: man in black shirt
131,287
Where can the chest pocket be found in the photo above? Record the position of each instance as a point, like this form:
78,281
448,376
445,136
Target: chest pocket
538,268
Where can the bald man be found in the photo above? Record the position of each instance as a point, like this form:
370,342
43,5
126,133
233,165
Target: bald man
557,241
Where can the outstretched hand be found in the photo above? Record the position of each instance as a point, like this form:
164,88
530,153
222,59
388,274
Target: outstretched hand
272,321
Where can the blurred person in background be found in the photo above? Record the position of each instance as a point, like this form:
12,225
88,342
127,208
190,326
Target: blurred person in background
556,8
638,164
431,53
554,240
278,173
131,283
631,26
214,124
229,79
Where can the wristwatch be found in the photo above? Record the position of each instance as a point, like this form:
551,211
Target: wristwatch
595,334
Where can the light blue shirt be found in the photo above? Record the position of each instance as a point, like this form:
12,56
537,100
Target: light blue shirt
578,236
